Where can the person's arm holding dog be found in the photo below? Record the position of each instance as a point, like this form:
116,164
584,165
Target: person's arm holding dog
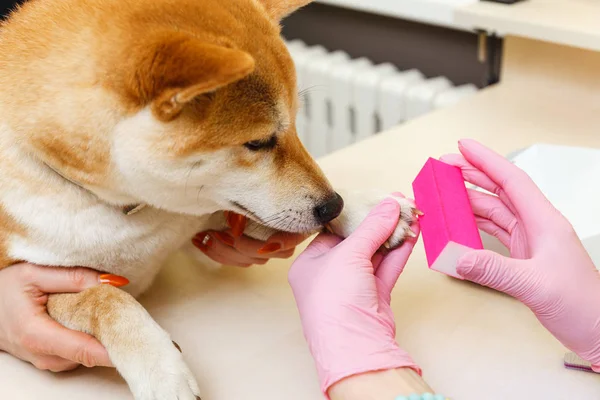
29,333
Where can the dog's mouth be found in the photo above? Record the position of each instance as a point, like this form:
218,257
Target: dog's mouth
246,212
296,220
287,220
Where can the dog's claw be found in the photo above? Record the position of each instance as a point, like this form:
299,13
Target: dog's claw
327,228
418,212
177,346
410,233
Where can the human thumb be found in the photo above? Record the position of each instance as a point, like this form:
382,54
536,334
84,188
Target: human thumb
321,244
304,265
71,345
497,272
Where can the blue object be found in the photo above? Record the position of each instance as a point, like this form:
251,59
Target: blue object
424,396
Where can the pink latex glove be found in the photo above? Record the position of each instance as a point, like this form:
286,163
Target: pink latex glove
343,290
550,272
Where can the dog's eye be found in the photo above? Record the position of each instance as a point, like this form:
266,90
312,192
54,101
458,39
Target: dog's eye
265,144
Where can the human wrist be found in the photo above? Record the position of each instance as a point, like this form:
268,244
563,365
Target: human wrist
576,325
380,385
363,342
356,355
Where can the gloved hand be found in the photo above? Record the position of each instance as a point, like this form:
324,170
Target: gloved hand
550,272
232,247
343,289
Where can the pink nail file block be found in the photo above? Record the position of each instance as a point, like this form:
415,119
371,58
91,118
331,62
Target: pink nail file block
448,225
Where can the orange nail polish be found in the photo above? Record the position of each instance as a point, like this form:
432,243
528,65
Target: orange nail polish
114,280
269,248
236,222
202,242
225,238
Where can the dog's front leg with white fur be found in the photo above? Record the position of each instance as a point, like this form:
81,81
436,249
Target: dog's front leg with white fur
138,347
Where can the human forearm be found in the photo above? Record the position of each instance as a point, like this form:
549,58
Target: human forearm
381,385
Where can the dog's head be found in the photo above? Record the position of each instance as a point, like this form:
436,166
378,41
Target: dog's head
196,114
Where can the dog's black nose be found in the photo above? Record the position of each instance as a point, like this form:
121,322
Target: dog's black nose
330,209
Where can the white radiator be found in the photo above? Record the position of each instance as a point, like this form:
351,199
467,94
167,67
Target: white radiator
346,100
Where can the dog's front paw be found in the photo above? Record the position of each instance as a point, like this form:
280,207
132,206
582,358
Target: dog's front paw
359,204
159,372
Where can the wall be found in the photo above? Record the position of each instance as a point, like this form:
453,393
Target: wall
433,50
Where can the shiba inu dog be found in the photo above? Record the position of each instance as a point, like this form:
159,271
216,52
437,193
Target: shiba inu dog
128,126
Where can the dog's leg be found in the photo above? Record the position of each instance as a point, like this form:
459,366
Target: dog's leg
139,348
358,204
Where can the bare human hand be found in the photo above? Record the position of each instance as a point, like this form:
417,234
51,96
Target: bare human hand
29,333
232,247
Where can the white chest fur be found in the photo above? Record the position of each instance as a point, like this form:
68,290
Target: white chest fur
67,226
100,237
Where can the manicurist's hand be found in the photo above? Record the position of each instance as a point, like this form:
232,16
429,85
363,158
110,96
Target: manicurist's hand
29,333
342,289
549,269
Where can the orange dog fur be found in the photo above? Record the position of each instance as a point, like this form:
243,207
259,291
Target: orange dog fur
184,106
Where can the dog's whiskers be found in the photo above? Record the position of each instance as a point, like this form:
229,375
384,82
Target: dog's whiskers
198,194
284,221
309,89
187,179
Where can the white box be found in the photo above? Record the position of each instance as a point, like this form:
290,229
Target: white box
570,178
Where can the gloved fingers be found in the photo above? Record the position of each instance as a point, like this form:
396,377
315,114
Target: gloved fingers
393,264
375,230
323,243
478,178
491,228
530,204
492,208
377,259
497,272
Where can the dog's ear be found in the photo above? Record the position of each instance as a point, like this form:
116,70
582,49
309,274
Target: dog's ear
174,68
279,9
